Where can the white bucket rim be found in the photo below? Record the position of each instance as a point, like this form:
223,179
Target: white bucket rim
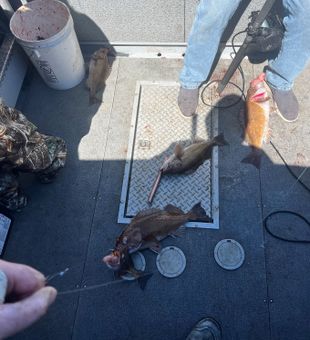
49,39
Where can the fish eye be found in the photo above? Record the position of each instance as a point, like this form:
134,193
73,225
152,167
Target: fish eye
125,240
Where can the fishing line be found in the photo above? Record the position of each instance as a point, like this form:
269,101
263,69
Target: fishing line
289,169
48,278
286,194
240,88
278,212
92,287
280,237
100,285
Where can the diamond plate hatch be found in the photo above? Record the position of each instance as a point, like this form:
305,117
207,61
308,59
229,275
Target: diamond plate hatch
157,125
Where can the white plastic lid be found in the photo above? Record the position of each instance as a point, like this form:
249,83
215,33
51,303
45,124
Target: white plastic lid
229,254
171,262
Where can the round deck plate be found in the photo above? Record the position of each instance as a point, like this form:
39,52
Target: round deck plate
171,262
139,263
229,254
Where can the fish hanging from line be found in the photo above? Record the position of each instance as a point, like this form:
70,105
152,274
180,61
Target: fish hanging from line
148,228
187,160
99,70
256,119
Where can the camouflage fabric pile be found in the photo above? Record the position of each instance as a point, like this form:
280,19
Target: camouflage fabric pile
24,149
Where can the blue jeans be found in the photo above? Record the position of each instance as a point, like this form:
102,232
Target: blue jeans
211,19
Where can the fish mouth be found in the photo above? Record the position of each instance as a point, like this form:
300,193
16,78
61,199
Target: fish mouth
164,166
113,260
260,95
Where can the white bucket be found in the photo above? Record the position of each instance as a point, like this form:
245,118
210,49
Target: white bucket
44,28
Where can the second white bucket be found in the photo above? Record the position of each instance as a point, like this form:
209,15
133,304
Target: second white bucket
45,30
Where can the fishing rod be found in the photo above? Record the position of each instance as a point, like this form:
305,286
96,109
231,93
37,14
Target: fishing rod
258,40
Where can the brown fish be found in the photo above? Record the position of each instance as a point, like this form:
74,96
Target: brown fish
186,160
148,228
257,119
189,159
99,70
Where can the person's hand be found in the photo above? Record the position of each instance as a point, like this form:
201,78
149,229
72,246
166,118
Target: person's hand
27,298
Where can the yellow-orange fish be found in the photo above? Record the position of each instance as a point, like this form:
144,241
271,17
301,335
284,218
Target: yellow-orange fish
257,119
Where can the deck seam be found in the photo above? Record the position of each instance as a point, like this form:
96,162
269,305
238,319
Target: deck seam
95,205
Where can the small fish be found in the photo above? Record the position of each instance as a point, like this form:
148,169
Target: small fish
148,228
257,119
189,159
99,70
186,160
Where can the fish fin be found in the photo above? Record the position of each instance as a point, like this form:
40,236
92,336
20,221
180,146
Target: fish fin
198,140
87,83
254,158
94,100
245,143
173,209
155,247
178,233
178,151
220,140
192,170
198,213
268,136
136,235
150,242
142,281
146,212
242,118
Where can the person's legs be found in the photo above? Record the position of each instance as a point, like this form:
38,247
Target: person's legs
292,58
210,21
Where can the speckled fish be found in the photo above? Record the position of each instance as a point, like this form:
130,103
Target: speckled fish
99,70
190,158
257,119
148,228
186,160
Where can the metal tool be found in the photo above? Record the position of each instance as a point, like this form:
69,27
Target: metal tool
155,186
3,286
252,33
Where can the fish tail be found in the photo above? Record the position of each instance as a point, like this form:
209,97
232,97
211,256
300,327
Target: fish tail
93,100
141,277
142,281
197,213
220,140
254,158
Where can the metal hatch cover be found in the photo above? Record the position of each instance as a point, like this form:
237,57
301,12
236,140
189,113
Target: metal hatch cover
156,126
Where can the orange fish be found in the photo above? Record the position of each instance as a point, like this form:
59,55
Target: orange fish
257,119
